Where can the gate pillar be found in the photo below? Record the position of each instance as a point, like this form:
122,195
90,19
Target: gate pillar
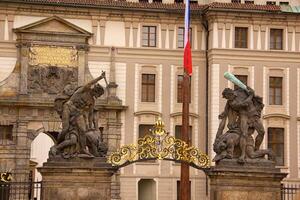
76,179
251,181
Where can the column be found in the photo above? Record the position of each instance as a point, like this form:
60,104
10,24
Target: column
2,24
102,29
22,153
23,51
112,86
10,20
82,62
95,30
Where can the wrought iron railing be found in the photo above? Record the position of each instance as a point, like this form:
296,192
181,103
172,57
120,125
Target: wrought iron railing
21,191
290,192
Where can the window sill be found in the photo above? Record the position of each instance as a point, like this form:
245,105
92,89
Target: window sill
281,167
148,102
241,48
275,105
275,50
146,47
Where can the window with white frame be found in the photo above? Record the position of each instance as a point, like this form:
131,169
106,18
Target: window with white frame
276,39
180,37
149,36
148,88
275,90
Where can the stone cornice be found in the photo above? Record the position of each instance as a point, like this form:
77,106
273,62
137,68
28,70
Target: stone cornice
50,104
180,114
267,116
254,55
147,112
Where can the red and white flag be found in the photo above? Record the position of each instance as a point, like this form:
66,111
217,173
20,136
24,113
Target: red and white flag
187,60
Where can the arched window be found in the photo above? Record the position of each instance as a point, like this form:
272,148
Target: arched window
40,147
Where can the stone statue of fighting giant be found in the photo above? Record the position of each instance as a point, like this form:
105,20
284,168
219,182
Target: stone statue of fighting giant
243,113
80,135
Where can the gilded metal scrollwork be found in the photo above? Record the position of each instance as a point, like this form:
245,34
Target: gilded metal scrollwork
159,145
5,177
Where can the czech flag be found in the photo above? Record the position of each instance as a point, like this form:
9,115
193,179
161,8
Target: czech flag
187,60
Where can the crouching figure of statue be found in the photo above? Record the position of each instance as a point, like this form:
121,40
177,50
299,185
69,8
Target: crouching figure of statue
243,116
80,135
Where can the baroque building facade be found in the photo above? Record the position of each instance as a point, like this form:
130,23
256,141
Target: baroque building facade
139,45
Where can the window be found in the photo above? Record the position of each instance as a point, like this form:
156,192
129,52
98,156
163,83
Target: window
178,190
149,36
242,78
145,129
276,143
284,3
235,1
147,189
271,2
275,90
178,1
6,133
193,1
180,39
148,87
249,2
158,1
180,88
276,39
241,37
178,133
144,1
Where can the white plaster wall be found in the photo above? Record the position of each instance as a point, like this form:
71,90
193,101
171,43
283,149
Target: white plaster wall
121,81
24,20
168,1
82,23
214,104
7,65
114,34
215,40
96,69
298,147
40,147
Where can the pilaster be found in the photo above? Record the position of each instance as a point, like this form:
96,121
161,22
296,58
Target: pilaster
23,51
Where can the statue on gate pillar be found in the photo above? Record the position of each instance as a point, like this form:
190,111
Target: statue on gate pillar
243,113
80,135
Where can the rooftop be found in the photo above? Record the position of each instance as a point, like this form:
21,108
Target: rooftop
158,6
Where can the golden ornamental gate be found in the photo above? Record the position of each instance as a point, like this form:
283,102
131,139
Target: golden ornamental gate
159,145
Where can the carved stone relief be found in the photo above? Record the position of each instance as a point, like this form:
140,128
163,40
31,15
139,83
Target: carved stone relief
51,67
51,79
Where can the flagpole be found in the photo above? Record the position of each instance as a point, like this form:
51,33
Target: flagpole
187,62
185,172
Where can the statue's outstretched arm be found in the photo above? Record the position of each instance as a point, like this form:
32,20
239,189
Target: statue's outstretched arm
89,84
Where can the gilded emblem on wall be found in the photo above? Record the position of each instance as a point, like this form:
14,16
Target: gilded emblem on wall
52,56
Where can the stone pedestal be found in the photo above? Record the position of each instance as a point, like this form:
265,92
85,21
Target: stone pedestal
252,181
76,179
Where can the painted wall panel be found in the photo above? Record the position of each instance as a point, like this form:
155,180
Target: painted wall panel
115,32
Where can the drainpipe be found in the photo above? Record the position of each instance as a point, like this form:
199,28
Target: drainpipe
205,25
